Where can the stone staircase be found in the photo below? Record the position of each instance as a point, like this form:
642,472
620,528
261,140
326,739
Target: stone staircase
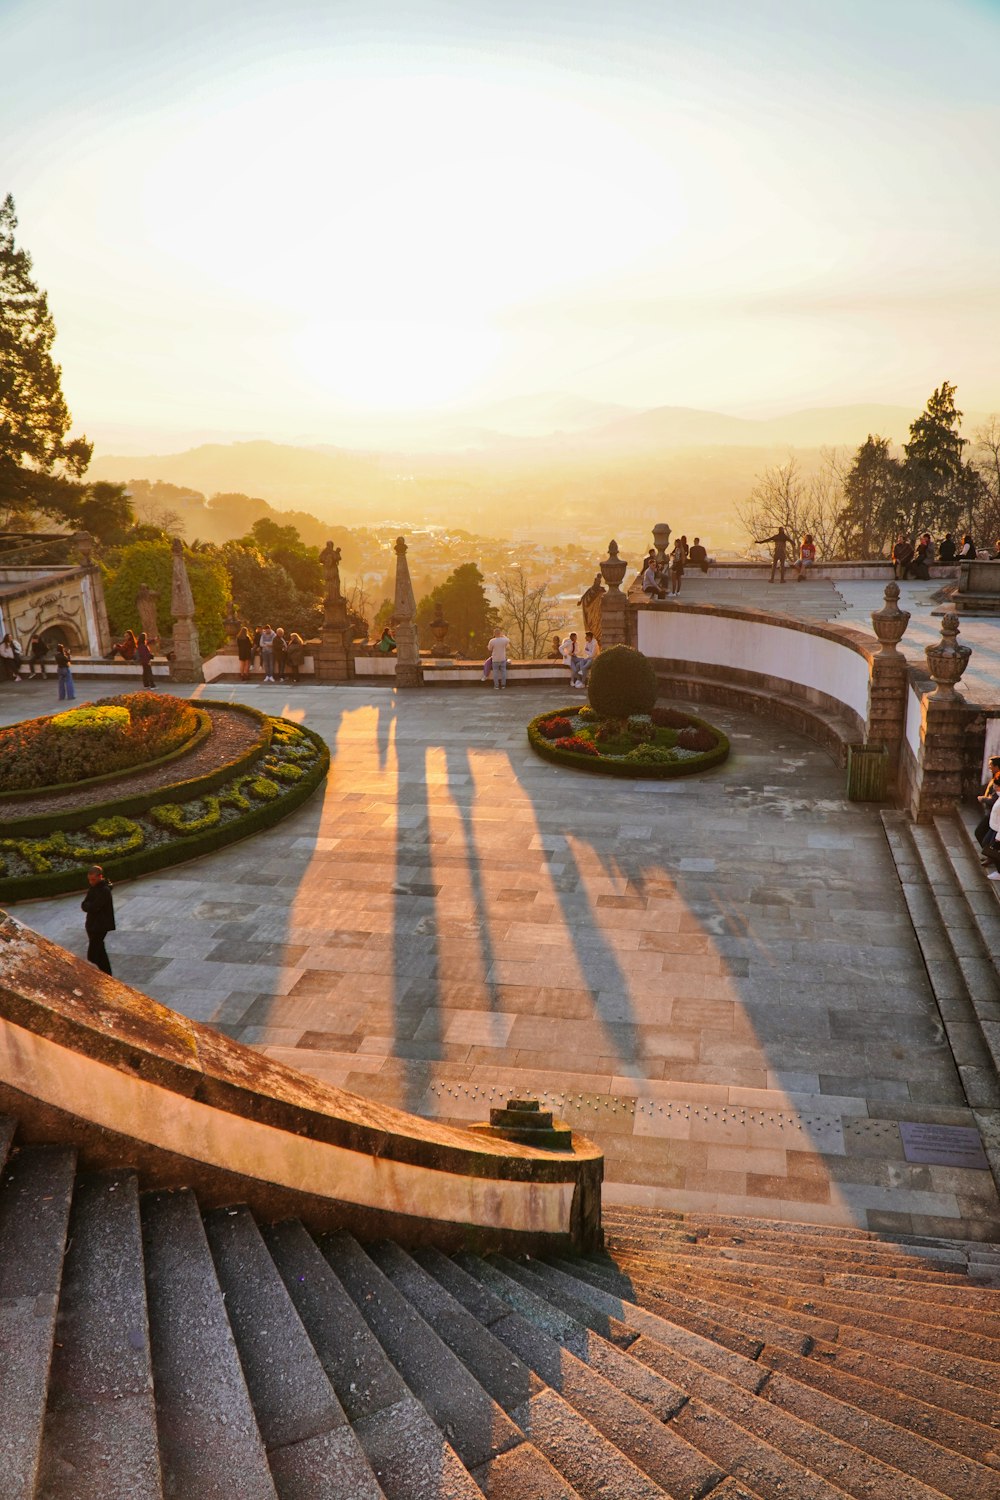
150,1350
956,916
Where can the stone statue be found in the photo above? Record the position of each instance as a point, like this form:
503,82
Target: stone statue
590,603
145,603
330,558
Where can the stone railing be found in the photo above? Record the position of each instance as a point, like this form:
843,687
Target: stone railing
85,1060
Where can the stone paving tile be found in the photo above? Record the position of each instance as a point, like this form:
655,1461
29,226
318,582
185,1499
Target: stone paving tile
452,920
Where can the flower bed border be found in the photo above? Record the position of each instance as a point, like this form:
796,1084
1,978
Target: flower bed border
36,825
178,851
630,770
200,734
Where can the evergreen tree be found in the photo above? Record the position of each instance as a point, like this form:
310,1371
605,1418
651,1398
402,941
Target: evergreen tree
934,461
38,466
873,499
468,611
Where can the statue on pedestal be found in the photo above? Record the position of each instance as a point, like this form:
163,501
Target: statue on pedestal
590,603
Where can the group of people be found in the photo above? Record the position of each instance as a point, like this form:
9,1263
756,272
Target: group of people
12,659
782,544
578,658
661,579
988,827
138,648
279,656
911,559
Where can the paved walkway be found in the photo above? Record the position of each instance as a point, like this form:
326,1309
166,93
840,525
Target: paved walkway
716,978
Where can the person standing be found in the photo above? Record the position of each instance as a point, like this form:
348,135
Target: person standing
295,655
64,672
267,652
280,650
780,555
100,917
10,657
678,557
244,650
37,652
986,799
498,648
144,656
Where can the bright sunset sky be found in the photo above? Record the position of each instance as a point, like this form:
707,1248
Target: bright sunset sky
249,214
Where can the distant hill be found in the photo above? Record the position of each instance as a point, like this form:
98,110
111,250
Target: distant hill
816,427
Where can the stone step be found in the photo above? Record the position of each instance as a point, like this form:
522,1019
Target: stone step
515,1380
35,1195
477,1428
846,1450
210,1444
966,1306
409,1455
312,1451
100,1439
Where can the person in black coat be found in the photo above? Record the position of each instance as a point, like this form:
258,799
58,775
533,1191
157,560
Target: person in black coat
100,918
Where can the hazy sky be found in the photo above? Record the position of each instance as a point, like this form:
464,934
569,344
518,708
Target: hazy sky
249,214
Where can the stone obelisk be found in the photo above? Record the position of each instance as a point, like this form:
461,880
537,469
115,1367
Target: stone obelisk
186,664
409,672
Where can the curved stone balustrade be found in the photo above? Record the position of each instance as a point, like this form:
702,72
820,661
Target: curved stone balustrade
85,1060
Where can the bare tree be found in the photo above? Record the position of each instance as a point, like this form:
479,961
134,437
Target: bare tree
825,503
780,497
151,512
526,612
985,459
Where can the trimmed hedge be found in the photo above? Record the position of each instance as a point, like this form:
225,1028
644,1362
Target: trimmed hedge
203,841
38,824
622,682
632,770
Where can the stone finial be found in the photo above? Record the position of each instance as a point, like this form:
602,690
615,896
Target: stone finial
85,546
890,622
613,568
439,629
408,669
947,659
661,540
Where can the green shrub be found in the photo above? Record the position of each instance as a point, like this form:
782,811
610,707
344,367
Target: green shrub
622,682
670,718
696,739
91,717
652,755
77,745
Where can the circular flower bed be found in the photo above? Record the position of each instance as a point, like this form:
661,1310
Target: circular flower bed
95,740
174,823
662,743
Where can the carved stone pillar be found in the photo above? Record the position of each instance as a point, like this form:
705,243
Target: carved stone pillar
888,683
186,665
333,657
409,673
945,720
614,605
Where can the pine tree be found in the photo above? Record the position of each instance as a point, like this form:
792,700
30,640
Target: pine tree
934,460
38,466
873,501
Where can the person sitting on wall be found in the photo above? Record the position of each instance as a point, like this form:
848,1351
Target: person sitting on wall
125,648
924,554
947,548
807,556
573,659
967,551
386,643
556,653
10,658
591,651
37,652
995,554
652,583
698,557
902,556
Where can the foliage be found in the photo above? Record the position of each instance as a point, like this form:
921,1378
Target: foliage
167,832
587,714
670,718
38,466
40,752
610,747
554,729
696,739
468,611
783,496
874,487
107,719
934,457
152,563
526,613
622,682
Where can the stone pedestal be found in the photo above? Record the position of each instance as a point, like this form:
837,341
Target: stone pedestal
614,605
333,657
409,673
887,688
186,663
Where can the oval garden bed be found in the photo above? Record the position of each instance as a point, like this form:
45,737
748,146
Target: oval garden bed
662,743
131,831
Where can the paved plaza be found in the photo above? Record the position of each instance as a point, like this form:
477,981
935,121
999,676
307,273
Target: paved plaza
715,978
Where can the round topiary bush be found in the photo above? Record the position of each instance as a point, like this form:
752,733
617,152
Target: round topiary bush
622,682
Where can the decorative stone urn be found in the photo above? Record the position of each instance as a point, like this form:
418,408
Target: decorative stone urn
439,630
890,622
947,660
613,569
661,540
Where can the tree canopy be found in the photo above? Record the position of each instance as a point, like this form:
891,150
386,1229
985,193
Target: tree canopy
466,608
152,563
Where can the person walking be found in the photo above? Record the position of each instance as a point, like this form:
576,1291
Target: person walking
267,652
144,656
295,655
100,917
498,648
64,672
244,651
37,652
779,557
